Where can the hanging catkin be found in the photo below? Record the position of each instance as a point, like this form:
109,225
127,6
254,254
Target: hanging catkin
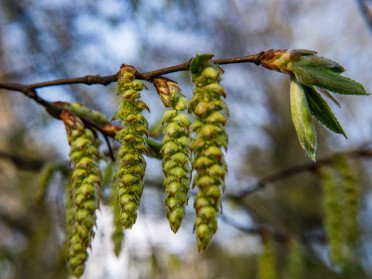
210,137
83,191
333,216
176,151
132,164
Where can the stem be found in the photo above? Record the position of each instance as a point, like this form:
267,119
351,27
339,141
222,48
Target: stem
106,80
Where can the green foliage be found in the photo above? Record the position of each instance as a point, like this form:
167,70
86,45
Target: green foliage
210,136
83,192
322,111
132,164
326,78
311,73
301,116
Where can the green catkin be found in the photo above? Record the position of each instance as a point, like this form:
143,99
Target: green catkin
295,261
176,152
210,137
132,164
333,216
266,261
83,193
117,235
70,210
350,202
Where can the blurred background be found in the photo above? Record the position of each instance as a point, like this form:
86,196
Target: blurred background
43,40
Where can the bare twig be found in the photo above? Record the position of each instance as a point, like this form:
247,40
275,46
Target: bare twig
106,80
308,167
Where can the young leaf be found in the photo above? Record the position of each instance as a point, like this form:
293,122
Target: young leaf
199,62
322,111
319,62
327,79
301,116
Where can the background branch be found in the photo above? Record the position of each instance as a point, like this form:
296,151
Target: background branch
308,167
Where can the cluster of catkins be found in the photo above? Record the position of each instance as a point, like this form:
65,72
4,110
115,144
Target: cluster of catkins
180,154
83,191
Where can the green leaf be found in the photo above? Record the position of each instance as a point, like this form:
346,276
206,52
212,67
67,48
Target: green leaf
321,62
327,79
301,116
322,111
198,63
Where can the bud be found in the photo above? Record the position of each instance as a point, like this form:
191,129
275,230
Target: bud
311,70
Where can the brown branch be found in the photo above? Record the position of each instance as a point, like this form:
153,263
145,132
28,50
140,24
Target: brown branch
289,172
106,80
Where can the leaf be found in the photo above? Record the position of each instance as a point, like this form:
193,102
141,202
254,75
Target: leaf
327,79
318,61
301,116
199,62
322,111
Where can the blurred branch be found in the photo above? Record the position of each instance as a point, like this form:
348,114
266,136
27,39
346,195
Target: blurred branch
263,231
260,230
20,223
23,163
308,167
366,11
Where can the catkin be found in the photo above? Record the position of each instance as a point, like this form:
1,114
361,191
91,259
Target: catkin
295,261
176,151
350,202
117,235
210,137
83,192
132,164
266,261
333,216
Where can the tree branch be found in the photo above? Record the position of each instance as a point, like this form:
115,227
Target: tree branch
106,80
308,167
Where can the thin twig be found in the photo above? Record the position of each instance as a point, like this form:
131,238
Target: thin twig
106,80
289,172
